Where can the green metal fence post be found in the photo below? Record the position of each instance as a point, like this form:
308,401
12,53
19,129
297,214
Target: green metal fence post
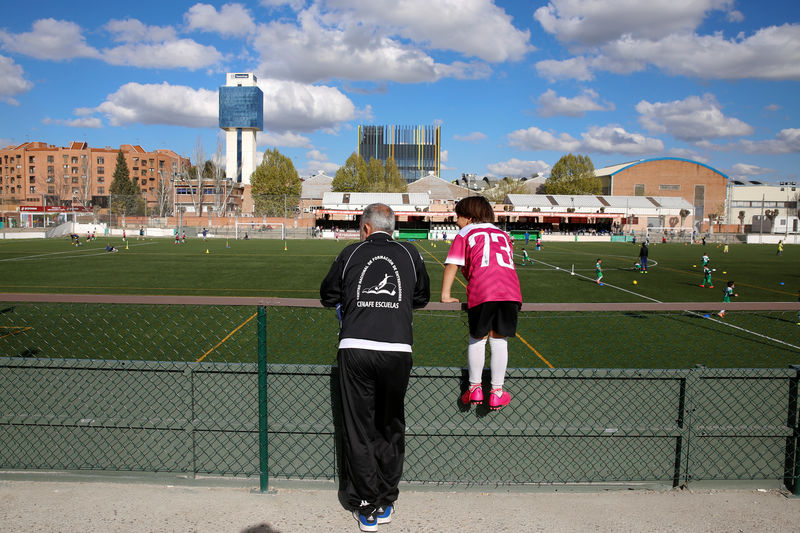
263,456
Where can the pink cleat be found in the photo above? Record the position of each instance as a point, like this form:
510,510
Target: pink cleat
498,399
473,394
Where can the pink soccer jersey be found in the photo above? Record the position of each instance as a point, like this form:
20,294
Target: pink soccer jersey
486,259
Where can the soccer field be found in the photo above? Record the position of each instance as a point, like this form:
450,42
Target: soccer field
562,272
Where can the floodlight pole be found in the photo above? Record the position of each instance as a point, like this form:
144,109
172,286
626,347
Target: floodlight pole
787,185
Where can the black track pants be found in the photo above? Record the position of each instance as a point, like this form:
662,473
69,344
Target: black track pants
373,388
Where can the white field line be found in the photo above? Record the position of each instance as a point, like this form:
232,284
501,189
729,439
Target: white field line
566,271
84,253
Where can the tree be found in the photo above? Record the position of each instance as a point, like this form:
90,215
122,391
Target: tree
394,180
275,184
504,187
122,191
222,187
573,175
352,176
375,176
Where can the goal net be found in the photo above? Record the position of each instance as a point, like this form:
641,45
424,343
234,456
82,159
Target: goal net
260,230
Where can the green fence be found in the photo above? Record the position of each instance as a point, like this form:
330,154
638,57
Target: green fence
223,387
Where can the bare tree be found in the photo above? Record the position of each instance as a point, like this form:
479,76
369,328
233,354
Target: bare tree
223,187
165,194
192,178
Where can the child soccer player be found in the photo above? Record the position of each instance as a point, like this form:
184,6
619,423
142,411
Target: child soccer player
493,294
598,270
706,277
706,259
727,292
525,257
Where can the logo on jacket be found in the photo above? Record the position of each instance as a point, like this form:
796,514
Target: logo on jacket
379,284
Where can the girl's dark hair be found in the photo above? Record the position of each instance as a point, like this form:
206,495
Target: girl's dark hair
476,208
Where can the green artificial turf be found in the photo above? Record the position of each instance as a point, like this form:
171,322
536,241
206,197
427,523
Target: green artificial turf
562,272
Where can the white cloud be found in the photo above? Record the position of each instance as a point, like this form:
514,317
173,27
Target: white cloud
295,5
85,122
518,168
605,139
686,153
287,106
590,22
692,119
771,53
300,107
745,169
615,140
323,46
443,156
285,140
12,81
132,31
51,39
475,28
787,141
574,68
550,104
174,105
232,20
473,137
183,53
313,167
772,107
317,155
535,139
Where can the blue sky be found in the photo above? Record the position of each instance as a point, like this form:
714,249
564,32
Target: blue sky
514,84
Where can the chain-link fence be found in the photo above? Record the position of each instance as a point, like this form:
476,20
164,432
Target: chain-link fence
248,387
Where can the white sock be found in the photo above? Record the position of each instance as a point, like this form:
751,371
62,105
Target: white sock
476,356
499,348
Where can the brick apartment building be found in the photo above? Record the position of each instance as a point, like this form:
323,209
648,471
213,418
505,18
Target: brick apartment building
37,173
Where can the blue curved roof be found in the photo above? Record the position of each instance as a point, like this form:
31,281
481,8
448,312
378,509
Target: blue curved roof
667,159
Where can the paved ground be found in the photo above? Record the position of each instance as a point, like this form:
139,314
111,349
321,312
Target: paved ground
137,506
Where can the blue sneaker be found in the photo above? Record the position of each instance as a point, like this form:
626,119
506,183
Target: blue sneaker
366,522
385,514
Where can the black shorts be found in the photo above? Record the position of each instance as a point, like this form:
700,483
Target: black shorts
500,317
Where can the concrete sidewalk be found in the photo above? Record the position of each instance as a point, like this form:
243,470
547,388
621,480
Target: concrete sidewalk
95,505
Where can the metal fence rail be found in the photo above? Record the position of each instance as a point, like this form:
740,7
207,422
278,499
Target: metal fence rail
219,386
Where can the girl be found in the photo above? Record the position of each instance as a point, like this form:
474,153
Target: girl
486,259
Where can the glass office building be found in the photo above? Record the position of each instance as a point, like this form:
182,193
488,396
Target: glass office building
415,149
241,115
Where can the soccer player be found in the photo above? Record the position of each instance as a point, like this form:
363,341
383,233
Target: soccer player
705,259
525,257
493,294
707,277
780,247
727,292
643,258
598,270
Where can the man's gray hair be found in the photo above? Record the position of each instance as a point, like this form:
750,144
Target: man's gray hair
379,216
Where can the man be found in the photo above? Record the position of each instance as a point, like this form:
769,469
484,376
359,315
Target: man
643,258
375,284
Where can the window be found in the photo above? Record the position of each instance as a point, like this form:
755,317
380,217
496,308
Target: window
144,182
50,159
31,170
100,161
51,170
74,160
74,170
33,179
51,189
74,179
30,159
638,189
665,187
33,190
101,170
101,190
100,179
